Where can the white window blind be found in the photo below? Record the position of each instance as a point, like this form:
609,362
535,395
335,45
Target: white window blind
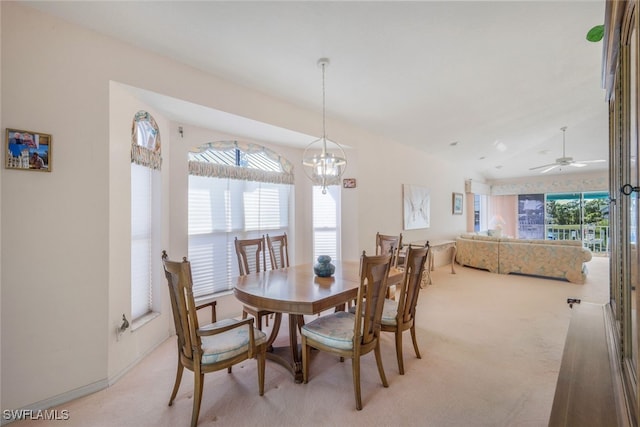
141,239
326,232
146,162
221,209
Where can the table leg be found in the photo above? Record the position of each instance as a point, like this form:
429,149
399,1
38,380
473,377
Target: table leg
453,258
288,357
295,321
274,331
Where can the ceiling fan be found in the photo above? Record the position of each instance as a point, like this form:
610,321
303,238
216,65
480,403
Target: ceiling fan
564,160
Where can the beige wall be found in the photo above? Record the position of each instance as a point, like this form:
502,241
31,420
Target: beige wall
65,234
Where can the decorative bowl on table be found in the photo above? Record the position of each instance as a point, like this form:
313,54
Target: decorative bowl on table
324,268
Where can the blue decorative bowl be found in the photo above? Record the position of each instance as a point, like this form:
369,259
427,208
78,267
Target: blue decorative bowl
324,268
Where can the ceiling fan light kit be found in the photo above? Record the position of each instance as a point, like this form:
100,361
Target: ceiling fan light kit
564,160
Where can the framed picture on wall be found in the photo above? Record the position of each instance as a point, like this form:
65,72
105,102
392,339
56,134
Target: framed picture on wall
28,150
457,203
416,205
349,183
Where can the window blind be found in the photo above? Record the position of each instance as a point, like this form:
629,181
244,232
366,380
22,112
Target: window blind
221,209
141,239
325,221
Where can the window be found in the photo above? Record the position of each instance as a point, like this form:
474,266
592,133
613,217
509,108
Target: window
326,232
531,216
235,190
480,209
145,182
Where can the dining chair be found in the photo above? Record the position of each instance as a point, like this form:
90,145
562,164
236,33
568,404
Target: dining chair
252,259
352,335
398,316
389,244
212,347
278,247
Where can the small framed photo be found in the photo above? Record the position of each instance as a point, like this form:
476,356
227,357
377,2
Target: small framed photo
28,150
457,203
349,183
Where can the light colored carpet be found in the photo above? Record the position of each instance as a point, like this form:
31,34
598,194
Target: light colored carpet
491,348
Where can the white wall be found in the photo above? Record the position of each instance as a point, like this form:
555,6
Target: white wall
134,343
65,234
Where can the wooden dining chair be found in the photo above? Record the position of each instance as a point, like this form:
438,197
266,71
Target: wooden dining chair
252,259
398,316
352,335
278,247
387,244
211,347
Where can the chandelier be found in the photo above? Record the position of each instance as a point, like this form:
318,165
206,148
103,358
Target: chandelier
323,160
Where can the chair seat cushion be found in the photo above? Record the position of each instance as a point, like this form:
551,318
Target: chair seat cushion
228,344
333,330
389,312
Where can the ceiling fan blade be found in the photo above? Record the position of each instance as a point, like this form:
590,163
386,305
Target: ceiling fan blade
549,168
543,166
578,164
590,161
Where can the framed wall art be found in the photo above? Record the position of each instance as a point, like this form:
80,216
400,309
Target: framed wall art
349,183
457,203
28,150
416,206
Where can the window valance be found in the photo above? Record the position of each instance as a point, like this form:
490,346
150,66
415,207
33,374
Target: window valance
145,141
240,160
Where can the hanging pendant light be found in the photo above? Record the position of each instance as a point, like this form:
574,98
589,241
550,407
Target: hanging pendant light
323,160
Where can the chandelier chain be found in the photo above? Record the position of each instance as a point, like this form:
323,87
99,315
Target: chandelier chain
324,132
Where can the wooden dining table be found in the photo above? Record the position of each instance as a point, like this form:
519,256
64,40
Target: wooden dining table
297,291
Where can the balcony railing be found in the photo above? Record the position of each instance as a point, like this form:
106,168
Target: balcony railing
594,237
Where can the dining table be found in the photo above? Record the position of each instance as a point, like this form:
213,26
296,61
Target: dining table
297,291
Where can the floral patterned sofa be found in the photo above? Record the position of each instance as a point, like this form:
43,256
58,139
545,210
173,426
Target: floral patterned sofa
558,259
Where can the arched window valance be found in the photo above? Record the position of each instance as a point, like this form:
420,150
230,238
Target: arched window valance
145,141
240,160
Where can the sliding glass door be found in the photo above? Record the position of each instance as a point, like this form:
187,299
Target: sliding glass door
621,83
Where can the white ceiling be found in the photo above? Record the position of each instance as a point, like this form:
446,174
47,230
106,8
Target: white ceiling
429,74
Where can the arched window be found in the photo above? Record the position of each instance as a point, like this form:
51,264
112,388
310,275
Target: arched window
146,161
236,189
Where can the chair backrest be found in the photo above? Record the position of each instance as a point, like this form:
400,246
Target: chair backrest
387,244
374,271
251,255
415,263
278,251
178,276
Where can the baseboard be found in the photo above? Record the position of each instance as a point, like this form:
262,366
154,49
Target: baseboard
58,400
115,378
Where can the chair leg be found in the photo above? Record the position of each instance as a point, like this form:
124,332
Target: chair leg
197,398
355,365
261,360
305,360
399,351
415,341
378,354
176,386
